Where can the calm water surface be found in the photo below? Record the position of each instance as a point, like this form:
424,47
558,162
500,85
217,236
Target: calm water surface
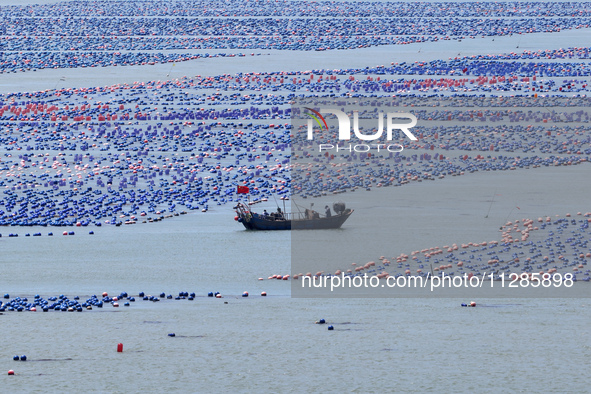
261,344
271,344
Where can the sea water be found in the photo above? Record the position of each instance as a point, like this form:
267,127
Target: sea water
245,344
271,344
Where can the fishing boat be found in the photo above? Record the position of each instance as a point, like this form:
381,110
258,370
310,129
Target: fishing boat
306,220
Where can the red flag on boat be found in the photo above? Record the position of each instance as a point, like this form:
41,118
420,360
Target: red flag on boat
242,190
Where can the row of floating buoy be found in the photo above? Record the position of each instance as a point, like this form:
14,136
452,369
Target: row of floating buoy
64,60
420,170
65,304
50,234
60,303
199,8
27,44
197,136
278,277
190,183
545,246
18,62
442,166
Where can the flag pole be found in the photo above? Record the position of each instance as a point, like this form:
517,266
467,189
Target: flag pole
284,210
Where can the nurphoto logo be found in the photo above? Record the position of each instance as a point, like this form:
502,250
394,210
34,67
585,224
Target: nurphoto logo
393,122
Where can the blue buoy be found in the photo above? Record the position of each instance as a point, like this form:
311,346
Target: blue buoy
321,321
15,358
210,294
172,334
330,328
23,358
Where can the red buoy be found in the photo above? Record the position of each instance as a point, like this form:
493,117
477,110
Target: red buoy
10,372
119,348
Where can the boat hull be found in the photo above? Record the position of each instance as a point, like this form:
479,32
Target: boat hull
256,222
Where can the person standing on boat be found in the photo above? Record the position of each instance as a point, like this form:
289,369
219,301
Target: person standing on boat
266,214
279,214
327,212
